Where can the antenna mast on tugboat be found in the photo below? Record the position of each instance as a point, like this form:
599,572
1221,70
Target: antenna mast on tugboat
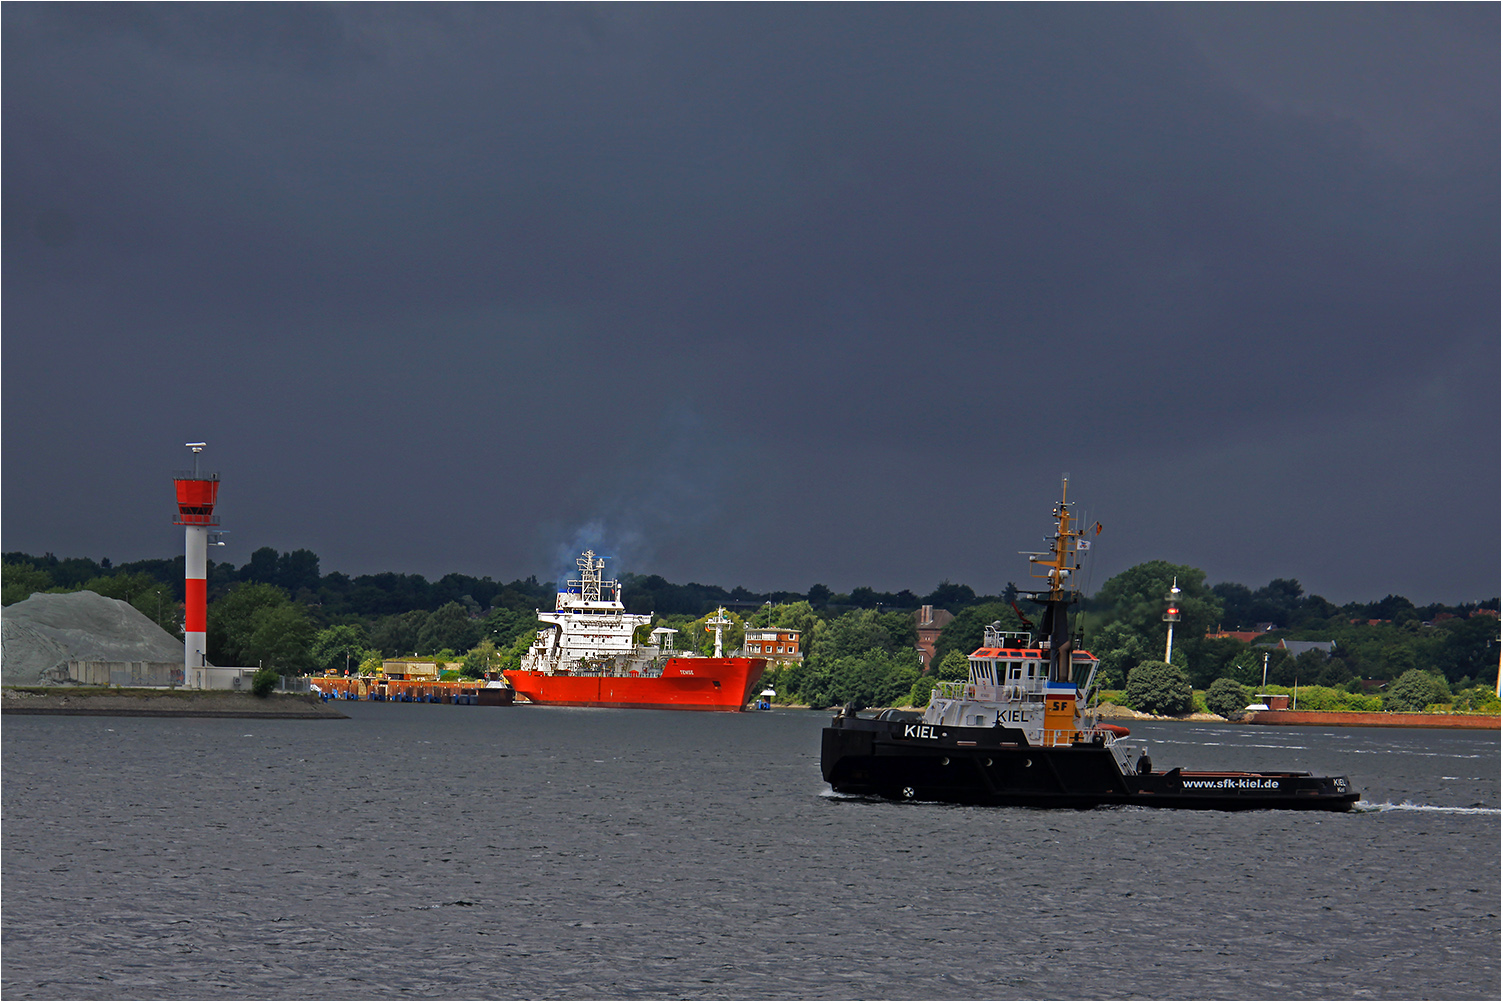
1056,566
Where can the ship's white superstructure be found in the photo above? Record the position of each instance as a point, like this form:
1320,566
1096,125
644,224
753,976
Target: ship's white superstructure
591,633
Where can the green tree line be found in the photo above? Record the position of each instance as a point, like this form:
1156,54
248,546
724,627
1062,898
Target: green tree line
279,610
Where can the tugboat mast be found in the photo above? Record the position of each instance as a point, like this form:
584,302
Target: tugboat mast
1056,566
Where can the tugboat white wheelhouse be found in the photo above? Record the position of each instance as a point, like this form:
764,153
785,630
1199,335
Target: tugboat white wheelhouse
1020,731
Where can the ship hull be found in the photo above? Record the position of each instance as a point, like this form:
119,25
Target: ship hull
996,766
709,684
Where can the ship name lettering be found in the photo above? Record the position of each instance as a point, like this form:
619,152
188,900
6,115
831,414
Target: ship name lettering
919,731
1014,716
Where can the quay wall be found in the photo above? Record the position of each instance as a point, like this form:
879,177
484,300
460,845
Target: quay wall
421,690
99,702
1361,719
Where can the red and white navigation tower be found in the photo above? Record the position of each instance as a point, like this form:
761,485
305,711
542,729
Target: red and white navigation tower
196,494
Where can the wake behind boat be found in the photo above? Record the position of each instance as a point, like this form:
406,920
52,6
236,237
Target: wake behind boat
587,656
1019,731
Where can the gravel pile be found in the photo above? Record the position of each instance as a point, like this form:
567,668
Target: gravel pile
41,635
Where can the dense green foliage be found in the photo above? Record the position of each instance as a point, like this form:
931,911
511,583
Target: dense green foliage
141,590
1476,700
1119,648
1159,688
1375,641
450,627
278,609
339,648
1227,697
259,625
964,633
862,657
264,681
1136,599
482,658
1414,691
954,667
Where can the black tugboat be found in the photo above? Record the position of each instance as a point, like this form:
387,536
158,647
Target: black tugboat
1019,732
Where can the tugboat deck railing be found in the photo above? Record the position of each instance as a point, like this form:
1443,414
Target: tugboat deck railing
966,690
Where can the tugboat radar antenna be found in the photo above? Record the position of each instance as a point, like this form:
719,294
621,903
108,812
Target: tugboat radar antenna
1061,560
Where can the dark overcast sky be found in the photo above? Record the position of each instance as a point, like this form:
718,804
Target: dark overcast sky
765,295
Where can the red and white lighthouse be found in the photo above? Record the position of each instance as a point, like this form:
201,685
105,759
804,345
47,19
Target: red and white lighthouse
196,494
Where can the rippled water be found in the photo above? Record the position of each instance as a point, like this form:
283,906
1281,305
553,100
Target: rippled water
432,851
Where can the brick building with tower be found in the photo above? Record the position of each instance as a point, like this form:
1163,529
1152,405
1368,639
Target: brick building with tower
930,622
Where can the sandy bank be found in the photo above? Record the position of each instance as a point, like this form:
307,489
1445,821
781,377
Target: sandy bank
160,703
1114,711
1380,719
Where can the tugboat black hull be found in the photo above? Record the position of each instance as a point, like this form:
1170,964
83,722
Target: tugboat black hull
996,766
1016,731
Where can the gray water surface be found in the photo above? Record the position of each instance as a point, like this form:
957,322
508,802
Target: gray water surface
474,852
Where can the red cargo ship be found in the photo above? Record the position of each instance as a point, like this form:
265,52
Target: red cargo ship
587,657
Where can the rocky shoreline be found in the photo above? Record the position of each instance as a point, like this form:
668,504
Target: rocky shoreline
102,702
1377,719
1111,711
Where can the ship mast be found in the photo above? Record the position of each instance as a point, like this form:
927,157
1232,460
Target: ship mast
717,623
1056,567
589,582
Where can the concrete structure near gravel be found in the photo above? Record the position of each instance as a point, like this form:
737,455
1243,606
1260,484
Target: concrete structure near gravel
86,639
83,638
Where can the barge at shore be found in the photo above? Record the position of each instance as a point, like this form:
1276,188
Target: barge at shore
1019,731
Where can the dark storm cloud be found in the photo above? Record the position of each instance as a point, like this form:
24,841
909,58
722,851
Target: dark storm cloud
445,286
